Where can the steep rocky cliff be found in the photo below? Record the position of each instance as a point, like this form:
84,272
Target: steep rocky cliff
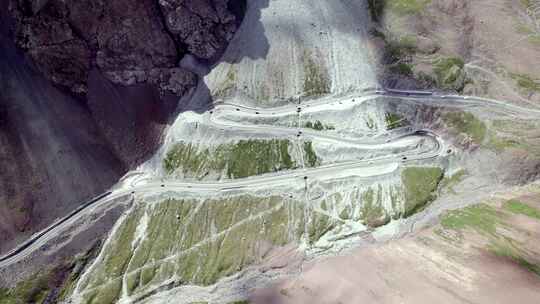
86,89
129,41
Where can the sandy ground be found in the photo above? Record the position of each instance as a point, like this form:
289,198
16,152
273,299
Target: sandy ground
407,271
424,268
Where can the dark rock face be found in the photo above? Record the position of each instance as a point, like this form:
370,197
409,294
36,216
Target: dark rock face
52,153
116,56
133,48
133,123
52,44
204,26
129,41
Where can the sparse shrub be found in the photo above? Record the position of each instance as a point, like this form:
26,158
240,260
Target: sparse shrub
466,123
450,74
526,83
394,121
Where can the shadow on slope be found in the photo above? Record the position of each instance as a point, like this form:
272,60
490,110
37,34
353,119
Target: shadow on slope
52,154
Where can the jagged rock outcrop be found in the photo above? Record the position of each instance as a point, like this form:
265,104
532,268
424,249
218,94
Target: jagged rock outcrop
128,41
204,26
113,66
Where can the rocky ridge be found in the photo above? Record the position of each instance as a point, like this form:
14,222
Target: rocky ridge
128,41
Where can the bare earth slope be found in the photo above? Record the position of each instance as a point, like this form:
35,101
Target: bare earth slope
485,253
286,50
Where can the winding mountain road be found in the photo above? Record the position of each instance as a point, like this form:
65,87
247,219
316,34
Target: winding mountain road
432,145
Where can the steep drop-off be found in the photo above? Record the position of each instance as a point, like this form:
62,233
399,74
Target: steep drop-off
87,88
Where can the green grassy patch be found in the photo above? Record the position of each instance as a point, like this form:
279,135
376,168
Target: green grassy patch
53,284
534,39
254,157
77,266
420,184
485,220
31,291
466,123
200,241
318,226
526,82
402,68
501,143
505,248
189,158
506,134
115,264
482,218
394,121
242,159
318,125
310,157
407,7
316,80
450,73
372,212
518,207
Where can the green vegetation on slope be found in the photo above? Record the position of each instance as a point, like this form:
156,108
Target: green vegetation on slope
198,241
316,81
372,212
311,159
191,159
502,143
508,249
402,68
34,290
394,121
420,184
516,134
318,125
253,157
49,286
482,218
485,220
319,224
242,159
116,264
450,73
407,7
402,7
526,83
518,207
466,123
